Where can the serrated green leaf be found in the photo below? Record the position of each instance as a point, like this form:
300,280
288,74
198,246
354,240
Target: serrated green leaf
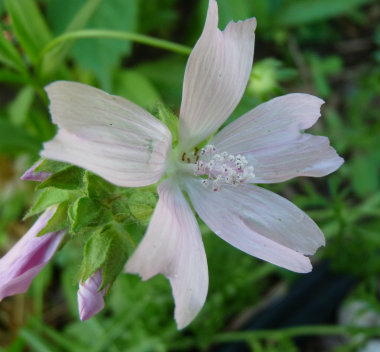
58,221
51,166
46,198
96,187
29,26
106,249
69,178
86,212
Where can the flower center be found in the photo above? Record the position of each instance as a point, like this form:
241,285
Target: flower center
217,169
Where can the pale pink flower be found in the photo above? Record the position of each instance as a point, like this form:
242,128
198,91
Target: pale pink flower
28,257
129,147
90,299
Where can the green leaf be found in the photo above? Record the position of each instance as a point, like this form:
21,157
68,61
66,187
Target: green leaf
37,343
9,55
68,178
364,169
29,26
170,120
96,187
106,249
52,166
100,55
120,210
141,204
20,107
58,221
86,212
7,76
46,198
167,76
294,13
153,14
135,87
14,138
57,12
235,10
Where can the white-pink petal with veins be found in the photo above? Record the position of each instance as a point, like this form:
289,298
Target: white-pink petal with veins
107,135
259,223
270,137
173,246
216,76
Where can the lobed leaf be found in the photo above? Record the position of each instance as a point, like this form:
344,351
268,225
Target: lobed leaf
107,249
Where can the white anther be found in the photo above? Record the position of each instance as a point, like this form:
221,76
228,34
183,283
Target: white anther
222,168
218,179
205,182
217,157
231,158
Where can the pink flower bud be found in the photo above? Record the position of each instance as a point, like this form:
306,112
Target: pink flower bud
90,299
28,257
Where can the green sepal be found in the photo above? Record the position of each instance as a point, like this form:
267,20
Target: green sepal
85,212
51,166
69,178
141,205
120,209
96,187
170,120
46,198
58,221
107,249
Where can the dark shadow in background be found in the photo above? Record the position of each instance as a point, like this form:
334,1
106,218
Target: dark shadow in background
314,299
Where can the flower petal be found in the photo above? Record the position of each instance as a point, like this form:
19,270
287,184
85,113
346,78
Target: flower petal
28,257
270,137
90,299
31,175
216,75
108,135
173,246
259,223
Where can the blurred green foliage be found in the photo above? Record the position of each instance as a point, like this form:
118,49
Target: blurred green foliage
328,48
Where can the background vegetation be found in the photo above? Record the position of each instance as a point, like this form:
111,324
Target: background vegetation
327,48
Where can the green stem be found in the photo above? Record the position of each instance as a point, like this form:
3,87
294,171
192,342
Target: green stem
307,330
105,33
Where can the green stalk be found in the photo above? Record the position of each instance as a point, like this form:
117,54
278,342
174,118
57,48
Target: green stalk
111,34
